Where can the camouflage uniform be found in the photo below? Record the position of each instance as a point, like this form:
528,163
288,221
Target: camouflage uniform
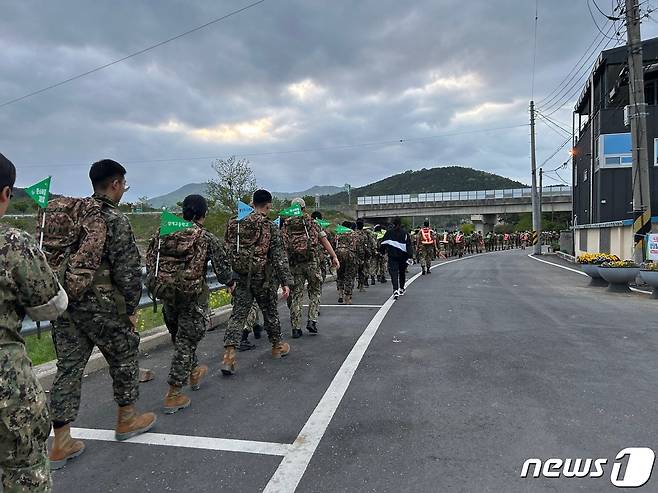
426,252
348,264
363,254
303,272
187,319
100,318
27,285
261,287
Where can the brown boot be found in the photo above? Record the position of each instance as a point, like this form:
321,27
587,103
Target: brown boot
348,299
197,375
228,365
175,400
64,447
280,349
129,423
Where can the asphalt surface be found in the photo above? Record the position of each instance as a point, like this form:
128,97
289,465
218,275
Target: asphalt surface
489,361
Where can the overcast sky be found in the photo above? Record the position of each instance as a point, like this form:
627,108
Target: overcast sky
286,75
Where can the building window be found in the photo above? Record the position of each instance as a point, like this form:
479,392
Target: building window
650,92
615,150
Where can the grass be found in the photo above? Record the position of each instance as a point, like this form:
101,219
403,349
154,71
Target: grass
41,350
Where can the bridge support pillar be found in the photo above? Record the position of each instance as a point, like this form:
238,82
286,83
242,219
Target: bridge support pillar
484,223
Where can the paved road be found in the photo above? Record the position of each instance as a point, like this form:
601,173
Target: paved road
487,362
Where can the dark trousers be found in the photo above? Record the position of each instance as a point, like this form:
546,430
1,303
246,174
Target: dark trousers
398,271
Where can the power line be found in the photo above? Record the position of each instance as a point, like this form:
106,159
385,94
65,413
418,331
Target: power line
550,120
566,86
589,7
119,60
551,127
609,17
292,151
556,151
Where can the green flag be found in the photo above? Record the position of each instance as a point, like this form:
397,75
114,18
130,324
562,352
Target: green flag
340,229
170,223
40,192
292,211
323,224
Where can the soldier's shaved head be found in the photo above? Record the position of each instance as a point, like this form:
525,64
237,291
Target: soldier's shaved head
7,173
104,172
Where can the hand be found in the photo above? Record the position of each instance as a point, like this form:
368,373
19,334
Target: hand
133,321
286,292
335,262
231,288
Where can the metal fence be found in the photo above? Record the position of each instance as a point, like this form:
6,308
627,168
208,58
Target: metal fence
30,327
413,198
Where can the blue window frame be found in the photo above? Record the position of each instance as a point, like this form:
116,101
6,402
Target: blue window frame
615,150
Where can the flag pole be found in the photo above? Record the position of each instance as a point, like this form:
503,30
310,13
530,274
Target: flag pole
157,257
238,242
43,225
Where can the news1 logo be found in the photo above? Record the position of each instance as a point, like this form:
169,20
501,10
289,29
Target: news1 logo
639,465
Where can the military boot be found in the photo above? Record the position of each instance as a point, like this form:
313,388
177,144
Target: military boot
245,345
297,333
258,330
175,400
64,447
228,365
145,375
348,299
129,423
280,349
372,280
197,375
360,288
312,327
340,296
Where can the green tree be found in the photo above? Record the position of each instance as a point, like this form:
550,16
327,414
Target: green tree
467,228
309,200
235,180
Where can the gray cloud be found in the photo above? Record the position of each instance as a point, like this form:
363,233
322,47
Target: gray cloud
368,71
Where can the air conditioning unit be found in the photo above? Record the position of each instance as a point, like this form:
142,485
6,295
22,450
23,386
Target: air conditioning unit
627,115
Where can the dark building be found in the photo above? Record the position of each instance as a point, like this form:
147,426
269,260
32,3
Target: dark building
602,158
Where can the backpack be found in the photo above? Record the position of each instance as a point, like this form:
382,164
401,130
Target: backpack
181,266
74,235
249,249
346,242
301,239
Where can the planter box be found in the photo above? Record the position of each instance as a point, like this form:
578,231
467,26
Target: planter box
593,272
619,277
651,278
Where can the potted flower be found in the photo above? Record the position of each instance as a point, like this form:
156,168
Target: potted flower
649,274
619,273
590,263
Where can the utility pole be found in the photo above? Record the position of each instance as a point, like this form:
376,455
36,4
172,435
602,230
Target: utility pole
638,113
536,205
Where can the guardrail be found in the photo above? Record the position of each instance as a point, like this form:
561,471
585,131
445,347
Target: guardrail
30,327
511,193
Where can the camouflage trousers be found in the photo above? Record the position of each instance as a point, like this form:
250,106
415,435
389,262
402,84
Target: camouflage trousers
75,334
265,295
187,322
427,254
302,273
252,318
346,273
380,265
24,425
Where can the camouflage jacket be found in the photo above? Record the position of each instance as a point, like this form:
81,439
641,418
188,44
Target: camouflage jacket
118,287
27,285
277,258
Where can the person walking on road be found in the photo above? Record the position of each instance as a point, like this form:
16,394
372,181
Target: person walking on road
427,247
102,276
27,287
302,236
397,245
176,266
259,259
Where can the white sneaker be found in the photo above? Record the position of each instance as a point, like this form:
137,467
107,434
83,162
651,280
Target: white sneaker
396,294
402,291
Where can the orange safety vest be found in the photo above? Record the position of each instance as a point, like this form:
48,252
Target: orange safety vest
506,237
426,236
459,238
445,238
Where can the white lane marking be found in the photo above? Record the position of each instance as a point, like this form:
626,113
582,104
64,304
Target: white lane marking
350,306
185,441
579,272
294,464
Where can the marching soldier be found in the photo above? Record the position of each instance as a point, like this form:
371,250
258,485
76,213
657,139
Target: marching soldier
301,236
347,271
426,247
259,259
28,286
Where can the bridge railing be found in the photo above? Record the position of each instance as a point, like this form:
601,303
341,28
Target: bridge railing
414,198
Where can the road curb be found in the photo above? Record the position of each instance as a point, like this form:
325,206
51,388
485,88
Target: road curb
150,340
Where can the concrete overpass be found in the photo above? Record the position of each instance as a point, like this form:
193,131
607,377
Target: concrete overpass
484,206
